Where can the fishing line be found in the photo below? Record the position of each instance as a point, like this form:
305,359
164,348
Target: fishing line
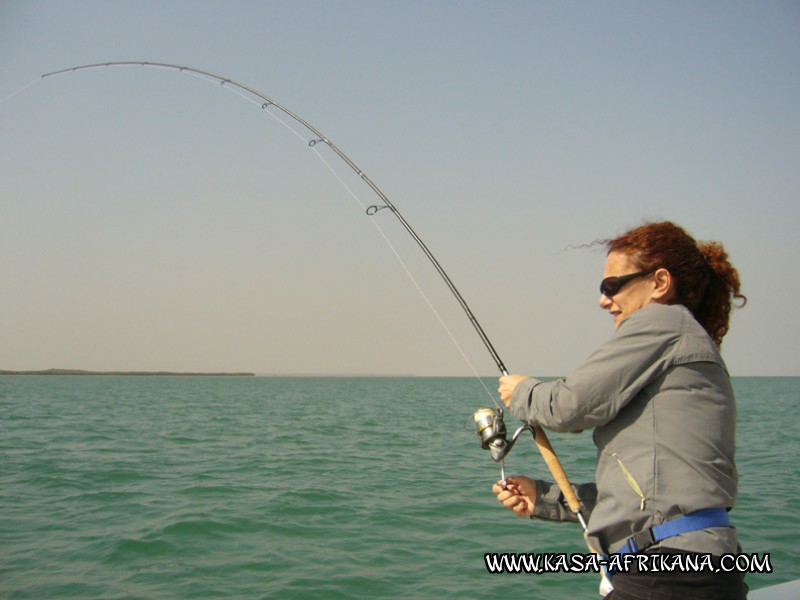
20,90
265,103
370,210
410,275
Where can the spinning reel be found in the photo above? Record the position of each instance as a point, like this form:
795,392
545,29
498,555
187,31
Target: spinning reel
492,431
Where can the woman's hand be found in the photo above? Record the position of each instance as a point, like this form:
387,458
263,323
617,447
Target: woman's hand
518,494
507,385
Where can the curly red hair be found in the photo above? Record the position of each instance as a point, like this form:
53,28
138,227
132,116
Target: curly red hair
706,281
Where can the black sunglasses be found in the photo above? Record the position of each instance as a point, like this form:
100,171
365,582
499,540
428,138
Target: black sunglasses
612,285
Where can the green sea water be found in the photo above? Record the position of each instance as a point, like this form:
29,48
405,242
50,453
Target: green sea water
263,487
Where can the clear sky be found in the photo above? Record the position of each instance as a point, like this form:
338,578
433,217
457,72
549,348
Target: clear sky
149,220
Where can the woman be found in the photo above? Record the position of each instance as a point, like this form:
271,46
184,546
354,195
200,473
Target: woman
662,407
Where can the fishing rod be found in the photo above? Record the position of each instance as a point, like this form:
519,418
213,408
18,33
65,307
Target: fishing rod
320,138
490,422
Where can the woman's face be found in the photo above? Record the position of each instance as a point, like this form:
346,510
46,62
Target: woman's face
635,294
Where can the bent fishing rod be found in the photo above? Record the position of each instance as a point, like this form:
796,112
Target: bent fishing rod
317,139
492,429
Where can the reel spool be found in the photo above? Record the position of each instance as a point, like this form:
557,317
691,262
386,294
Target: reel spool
492,431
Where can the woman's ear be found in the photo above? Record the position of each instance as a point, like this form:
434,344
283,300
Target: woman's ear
664,290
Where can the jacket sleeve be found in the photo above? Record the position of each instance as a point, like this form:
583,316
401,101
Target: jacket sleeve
597,390
551,505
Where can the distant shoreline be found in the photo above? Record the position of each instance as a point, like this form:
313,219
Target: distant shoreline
126,373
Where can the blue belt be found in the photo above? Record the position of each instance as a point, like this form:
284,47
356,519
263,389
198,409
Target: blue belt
702,519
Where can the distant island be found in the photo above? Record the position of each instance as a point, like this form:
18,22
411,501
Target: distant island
138,373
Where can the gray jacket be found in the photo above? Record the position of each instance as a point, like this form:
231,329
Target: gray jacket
660,401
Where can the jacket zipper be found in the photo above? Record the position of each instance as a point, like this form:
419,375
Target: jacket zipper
631,481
